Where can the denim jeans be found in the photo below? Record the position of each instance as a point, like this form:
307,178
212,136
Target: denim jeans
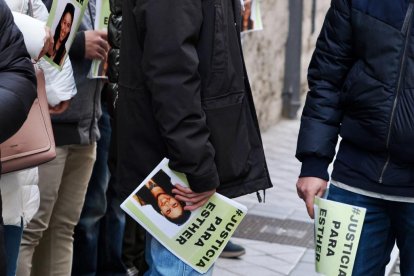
13,237
162,262
385,222
99,233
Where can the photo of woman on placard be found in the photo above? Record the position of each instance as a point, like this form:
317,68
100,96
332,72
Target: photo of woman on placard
62,32
157,192
248,23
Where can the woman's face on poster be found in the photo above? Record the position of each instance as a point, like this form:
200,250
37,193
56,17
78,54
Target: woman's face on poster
65,26
170,207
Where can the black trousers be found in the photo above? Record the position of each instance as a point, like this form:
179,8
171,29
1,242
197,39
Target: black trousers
2,248
133,249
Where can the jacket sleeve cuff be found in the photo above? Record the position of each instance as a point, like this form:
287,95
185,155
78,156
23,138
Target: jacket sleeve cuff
315,167
77,50
205,182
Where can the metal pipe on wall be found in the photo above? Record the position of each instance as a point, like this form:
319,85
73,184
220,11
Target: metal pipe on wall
291,87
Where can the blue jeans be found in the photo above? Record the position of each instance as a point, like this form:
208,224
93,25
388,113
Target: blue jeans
13,237
98,236
162,262
385,222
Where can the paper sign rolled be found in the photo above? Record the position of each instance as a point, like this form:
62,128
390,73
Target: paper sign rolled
337,231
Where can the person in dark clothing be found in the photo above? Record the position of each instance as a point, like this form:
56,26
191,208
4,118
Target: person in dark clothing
17,90
361,87
184,94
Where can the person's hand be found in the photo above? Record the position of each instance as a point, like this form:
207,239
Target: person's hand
59,108
96,45
194,199
308,188
48,43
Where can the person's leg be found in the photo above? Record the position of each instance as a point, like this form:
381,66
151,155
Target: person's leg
2,247
66,212
162,262
133,248
85,246
111,235
403,223
377,238
140,237
50,176
232,250
13,237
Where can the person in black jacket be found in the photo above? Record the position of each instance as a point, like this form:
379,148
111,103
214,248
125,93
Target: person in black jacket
17,89
361,87
184,94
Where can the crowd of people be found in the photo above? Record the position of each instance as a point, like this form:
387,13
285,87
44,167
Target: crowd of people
178,88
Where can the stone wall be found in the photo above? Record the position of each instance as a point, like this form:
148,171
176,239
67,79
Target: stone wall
265,54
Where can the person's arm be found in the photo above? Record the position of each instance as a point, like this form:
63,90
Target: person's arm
37,36
170,62
17,76
39,10
321,118
89,44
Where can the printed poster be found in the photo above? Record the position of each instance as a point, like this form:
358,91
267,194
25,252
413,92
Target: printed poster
64,20
251,17
98,67
337,231
197,237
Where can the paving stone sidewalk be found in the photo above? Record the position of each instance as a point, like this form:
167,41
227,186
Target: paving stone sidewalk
277,235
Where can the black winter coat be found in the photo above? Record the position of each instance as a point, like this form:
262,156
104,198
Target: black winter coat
17,90
361,81
114,40
17,76
184,95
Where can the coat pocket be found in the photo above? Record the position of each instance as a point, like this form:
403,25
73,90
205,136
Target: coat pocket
219,54
226,120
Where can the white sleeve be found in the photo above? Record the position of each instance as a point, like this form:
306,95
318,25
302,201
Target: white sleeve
33,31
39,10
60,85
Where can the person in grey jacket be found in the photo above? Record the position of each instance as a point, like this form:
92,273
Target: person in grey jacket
17,90
47,243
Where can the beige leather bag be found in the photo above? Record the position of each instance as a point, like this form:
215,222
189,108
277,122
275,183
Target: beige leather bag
34,143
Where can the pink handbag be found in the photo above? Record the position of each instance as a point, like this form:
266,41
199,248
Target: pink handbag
34,143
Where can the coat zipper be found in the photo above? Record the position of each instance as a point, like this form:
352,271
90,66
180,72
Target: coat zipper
406,30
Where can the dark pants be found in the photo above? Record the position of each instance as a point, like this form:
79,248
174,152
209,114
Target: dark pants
101,225
13,235
133,253
385,223
2,249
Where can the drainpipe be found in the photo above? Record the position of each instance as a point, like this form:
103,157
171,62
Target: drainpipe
291,87
313,16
